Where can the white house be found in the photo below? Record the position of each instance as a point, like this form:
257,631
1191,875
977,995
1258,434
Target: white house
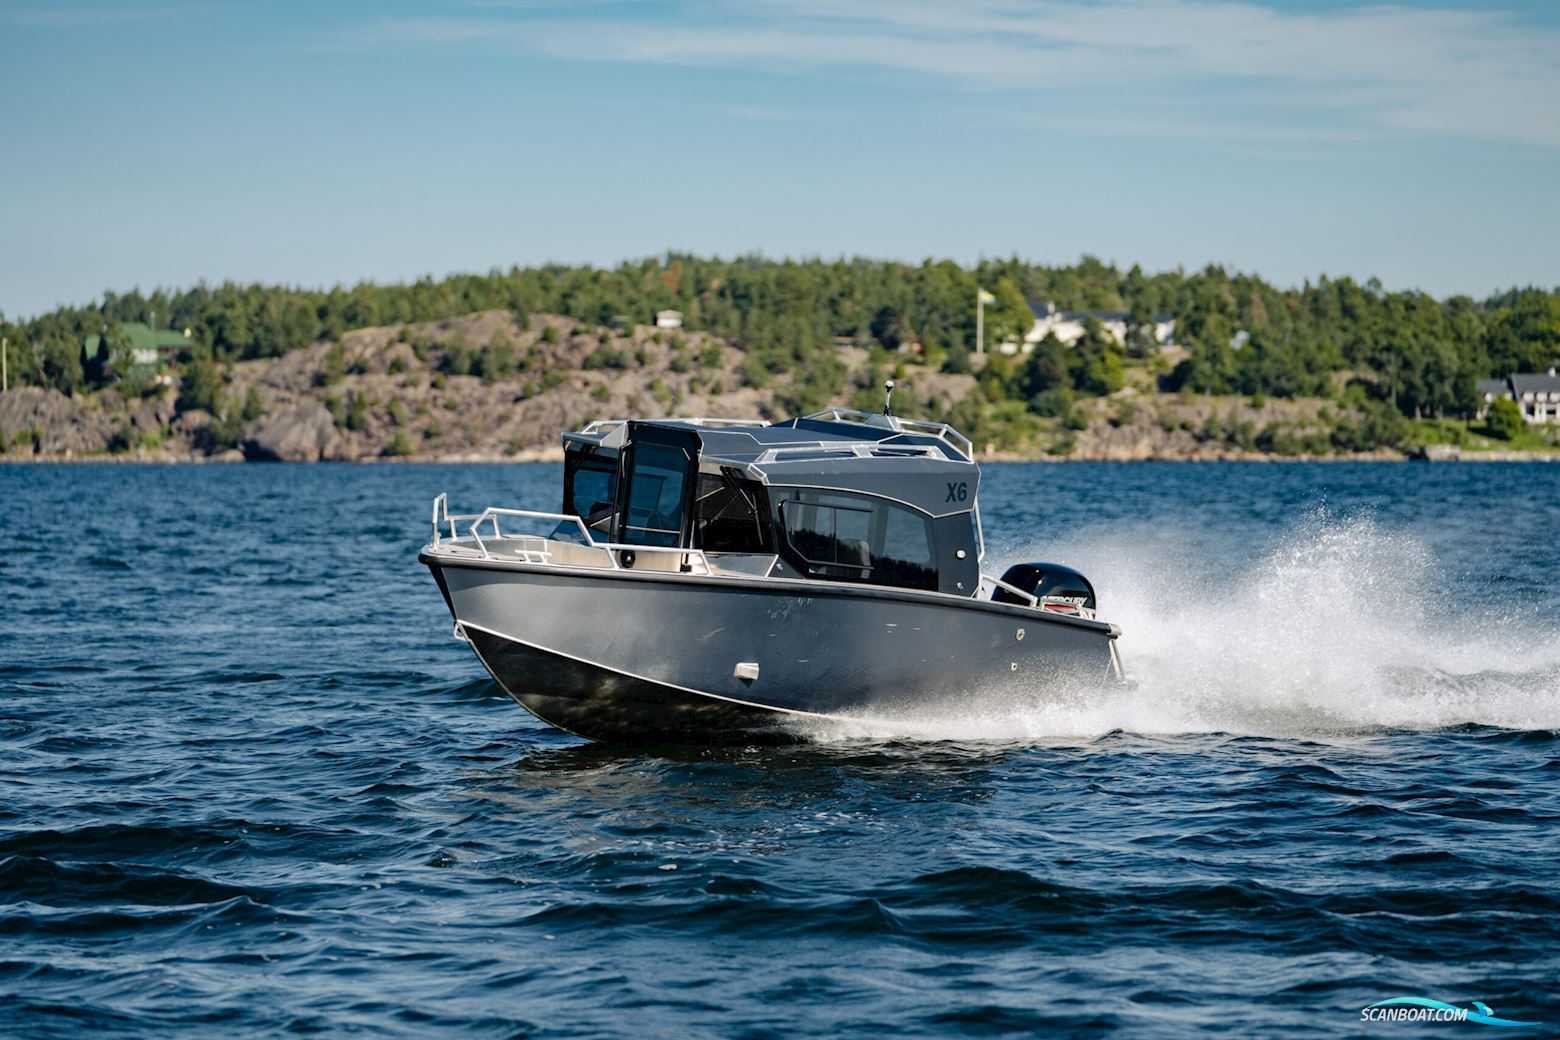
1537,395
1490,391
1068,326
668,319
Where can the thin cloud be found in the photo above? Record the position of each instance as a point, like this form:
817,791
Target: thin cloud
1467,74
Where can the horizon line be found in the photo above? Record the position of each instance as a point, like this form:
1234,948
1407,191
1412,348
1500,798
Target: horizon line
667,255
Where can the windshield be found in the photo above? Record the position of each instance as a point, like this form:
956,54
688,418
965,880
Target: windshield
656,486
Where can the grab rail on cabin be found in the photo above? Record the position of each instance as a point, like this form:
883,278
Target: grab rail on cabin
596,426
600,425
692,561
856,449
719,421
600,432
942,431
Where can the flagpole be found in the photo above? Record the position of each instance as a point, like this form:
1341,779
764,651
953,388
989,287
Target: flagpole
980,320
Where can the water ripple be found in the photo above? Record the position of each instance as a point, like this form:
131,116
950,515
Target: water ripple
250,786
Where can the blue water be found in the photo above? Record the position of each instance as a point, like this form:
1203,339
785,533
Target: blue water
249,785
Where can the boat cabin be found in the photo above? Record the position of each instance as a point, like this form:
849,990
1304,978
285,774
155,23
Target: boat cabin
836,496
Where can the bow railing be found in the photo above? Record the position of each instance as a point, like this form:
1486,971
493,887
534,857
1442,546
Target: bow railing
568,543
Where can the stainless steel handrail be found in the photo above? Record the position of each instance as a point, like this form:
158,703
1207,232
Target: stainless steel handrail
442,515
598,425
859,449
1034,601
942,431
1039,603
603,431
492,515
719,421
836,413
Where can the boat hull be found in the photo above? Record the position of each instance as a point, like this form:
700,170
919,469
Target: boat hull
628,656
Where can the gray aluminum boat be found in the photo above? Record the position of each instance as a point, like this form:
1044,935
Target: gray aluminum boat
712,580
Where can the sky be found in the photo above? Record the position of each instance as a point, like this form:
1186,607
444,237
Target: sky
149,143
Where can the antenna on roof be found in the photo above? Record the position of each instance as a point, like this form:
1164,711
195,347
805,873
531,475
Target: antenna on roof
888,397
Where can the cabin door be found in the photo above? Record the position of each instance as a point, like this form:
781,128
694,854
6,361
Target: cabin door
657,486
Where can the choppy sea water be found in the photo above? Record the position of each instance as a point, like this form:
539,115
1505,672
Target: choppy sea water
249,785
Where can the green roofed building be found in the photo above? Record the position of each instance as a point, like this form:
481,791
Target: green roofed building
154,349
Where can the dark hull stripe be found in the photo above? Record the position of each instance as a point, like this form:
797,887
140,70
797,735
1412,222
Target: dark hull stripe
599,703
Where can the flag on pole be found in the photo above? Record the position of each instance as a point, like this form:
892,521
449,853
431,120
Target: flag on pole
985,297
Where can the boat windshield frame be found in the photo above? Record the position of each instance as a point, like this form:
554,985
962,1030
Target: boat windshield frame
663,518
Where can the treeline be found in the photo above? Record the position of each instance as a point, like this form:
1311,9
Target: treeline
1402,351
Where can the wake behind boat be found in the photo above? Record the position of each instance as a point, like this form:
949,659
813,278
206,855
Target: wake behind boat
714,579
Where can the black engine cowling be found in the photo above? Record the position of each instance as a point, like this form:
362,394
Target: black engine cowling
1045,579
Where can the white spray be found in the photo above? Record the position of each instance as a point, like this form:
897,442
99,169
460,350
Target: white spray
1340,628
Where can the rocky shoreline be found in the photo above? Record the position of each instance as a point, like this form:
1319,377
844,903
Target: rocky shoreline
555,455
486,388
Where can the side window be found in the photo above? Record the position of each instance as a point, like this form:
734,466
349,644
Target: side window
847,537
732,515
906,558
655,495
834,536
592,492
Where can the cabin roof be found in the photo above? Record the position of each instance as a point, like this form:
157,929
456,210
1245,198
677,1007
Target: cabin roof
794,438
901,459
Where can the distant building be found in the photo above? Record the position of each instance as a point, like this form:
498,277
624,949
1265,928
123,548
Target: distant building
1537,395
1068,326
668,319
153,351
1490,391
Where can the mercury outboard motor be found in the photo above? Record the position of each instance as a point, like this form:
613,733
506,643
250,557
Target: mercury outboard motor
1059,589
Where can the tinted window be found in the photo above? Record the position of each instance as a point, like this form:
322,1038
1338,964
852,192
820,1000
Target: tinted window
732,515
905,558
592,492
830,532
655,495
855,538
